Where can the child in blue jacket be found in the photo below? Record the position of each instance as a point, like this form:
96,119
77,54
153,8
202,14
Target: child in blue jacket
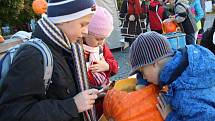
188,75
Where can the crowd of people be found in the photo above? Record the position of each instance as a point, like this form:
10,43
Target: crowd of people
75,32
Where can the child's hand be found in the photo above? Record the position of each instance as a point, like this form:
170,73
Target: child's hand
163,107
100,66
131,18
178,29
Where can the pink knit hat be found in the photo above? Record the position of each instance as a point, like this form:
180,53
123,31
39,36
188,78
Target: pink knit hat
101,23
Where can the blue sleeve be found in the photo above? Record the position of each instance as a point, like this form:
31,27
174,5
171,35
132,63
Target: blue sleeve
199,11
171,117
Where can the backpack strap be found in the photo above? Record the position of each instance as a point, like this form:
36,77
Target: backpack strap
6,61
47,58
156,11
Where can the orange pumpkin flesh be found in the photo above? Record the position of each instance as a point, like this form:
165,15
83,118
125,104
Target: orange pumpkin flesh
138,105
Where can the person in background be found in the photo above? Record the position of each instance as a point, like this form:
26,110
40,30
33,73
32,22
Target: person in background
68,98
208,39
133,19
198,12
204,17
156,14
185,76
184,17
101,64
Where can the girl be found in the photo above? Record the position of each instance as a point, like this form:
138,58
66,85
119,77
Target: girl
99,59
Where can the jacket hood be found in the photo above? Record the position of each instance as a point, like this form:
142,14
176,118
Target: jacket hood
200,72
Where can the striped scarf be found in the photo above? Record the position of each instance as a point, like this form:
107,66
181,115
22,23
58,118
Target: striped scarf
58,37
96,79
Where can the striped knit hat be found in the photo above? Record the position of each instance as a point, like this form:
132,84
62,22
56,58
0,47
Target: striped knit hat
60,11
148,48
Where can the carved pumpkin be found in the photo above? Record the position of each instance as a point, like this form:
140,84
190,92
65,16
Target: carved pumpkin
127,85
39,6
138,105
169,26
1,39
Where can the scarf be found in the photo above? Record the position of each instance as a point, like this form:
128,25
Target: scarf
93,54
76,50
134,7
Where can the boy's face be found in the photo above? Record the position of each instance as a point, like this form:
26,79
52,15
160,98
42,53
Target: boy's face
75,29
94,41
150,73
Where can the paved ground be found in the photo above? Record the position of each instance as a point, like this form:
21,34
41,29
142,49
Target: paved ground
122,56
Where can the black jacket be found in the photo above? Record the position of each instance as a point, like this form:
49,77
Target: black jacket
189,24
23,97
207,39
131,29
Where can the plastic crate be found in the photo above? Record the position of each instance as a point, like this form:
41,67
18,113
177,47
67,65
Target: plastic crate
176,39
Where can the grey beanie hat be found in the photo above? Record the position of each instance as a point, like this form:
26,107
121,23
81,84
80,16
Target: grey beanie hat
148,48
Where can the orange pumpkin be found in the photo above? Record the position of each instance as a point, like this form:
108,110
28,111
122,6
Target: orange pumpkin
169,26
39,6
1,39
138,105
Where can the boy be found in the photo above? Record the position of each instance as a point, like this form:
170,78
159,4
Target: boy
188,74
183,16
68,98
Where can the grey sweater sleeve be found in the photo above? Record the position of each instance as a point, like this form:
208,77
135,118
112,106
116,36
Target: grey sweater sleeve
180,13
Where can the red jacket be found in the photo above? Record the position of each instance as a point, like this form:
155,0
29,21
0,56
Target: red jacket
113,66
156,17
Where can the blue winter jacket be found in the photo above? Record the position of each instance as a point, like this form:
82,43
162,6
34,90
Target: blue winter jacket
192,94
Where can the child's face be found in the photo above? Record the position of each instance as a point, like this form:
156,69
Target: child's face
150,73
75,29
94,41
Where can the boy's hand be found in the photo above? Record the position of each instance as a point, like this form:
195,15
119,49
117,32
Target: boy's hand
86,99
163,107
100,66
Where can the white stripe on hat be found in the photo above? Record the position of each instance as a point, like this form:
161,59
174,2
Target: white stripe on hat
70,17
60,3
214,38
